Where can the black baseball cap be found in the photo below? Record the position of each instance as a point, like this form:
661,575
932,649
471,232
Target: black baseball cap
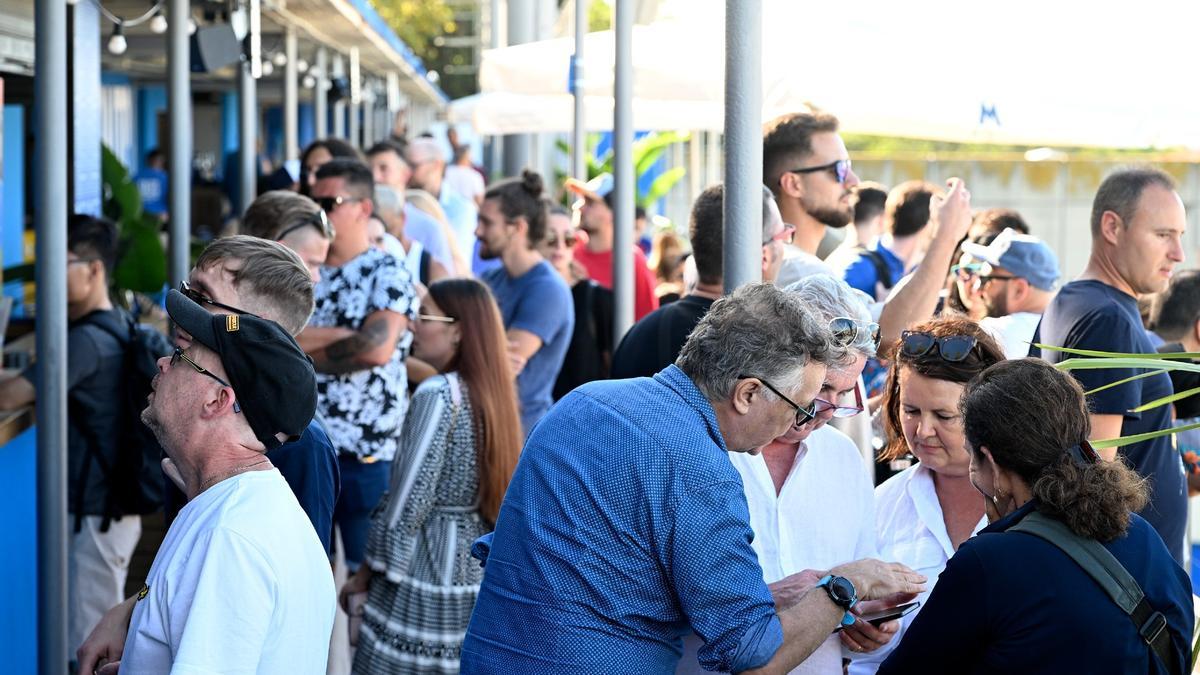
271,376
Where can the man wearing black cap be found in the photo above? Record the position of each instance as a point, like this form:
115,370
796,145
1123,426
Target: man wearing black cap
241,582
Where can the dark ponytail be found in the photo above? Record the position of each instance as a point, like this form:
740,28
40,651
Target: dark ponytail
1093,499
523,197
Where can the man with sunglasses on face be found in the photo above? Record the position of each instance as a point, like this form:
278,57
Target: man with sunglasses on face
1015,277
1138,221
359,338
811,499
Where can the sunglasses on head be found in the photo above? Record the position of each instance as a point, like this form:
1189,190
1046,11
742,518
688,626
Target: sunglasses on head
840,169
317,219
951,348
847,331
201,299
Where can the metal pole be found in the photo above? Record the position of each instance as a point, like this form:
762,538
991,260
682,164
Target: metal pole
50,171
495,144
743,143
354,109
291,98
247,137
368,120
623,171
339,108
579,136
321,95
179,110
520,30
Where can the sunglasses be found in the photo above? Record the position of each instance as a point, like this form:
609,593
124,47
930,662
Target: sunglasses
985,279
178,354
787,235
840,410
840,169
329,204
567,240
803,415
966,271
846,331
953,348
202,299
317,219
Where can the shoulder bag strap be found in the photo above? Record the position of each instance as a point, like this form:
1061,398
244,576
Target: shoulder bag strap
1112,576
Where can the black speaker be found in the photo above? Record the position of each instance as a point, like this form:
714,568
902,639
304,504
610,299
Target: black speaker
214,47
339,89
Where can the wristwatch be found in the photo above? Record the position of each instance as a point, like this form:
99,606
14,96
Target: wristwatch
842,592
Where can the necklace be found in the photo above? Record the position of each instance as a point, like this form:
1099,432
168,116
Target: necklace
235,471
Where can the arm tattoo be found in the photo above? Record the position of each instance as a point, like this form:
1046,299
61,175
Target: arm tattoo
342,356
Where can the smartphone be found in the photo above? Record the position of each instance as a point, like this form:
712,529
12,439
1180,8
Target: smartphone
889,614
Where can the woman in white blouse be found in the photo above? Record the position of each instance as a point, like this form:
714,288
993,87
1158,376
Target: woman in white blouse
926,512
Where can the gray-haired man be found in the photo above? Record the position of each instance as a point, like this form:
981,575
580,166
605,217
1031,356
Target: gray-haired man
625,525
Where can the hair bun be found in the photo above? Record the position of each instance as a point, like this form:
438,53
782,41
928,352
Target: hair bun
532,182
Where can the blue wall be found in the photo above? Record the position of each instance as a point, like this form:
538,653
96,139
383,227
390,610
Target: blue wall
18,557
308,125
12,206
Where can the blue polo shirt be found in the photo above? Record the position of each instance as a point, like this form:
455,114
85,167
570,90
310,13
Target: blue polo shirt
624,528
1015,603
1093,315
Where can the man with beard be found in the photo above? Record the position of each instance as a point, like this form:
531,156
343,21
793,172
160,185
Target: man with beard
534,301
882,262
806,165
1016,283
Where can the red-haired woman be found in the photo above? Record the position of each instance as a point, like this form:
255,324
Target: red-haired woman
461,440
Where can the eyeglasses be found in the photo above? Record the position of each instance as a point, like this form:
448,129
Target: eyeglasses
951,348
202,299
200,369
846,331
839,409
81,261
985,279
317,219
840,169
787,235
803,415
567,240
328,204
438,319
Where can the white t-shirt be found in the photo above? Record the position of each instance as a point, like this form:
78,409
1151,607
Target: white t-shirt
912,531
1014,331
241,584
824,516
798,264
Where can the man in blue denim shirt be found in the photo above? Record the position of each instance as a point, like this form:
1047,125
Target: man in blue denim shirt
625,525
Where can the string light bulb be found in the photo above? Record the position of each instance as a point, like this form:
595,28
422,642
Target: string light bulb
266,67
116,43
158,25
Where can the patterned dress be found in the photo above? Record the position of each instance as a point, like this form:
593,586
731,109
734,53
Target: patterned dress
425,582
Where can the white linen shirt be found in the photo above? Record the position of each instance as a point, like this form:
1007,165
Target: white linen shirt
824,516
912,531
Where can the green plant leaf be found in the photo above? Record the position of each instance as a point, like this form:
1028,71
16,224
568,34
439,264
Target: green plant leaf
1111,363
662,185
1118,383
1138,438
1165,400
650,147
1139,355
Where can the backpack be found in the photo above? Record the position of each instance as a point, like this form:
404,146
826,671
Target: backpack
882,274
136,477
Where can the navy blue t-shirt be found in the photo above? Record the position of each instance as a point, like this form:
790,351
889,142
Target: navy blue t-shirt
310,467
1093,315
539,302
1011,602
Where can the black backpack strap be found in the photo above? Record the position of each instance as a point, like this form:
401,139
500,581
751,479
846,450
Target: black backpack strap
1112,576
882,274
